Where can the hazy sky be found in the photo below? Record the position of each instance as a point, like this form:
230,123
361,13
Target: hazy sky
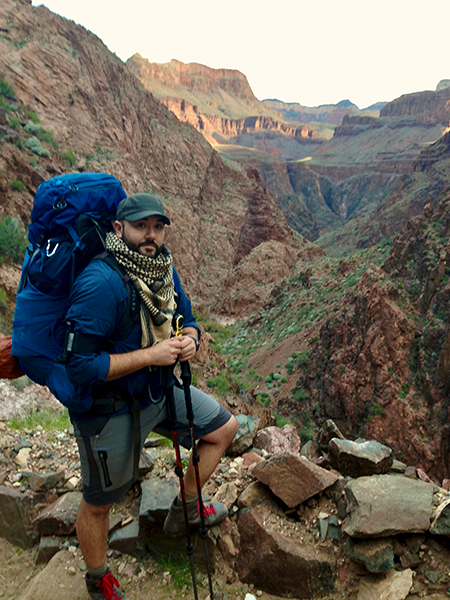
312,52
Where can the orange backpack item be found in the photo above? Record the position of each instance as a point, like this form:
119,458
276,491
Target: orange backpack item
9,365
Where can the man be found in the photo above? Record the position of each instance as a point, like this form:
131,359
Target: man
132,369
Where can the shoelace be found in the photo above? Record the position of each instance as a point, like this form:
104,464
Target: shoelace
106,587
207,509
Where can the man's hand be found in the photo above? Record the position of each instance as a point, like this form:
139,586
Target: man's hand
163,354
188,348
167,352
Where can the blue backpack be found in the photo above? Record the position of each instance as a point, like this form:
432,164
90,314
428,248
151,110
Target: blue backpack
71,215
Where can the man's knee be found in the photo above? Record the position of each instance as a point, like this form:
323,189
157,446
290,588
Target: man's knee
93,510
233,427
229,430
224,435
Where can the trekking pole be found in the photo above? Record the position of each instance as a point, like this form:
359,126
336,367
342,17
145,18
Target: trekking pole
186,379
169,383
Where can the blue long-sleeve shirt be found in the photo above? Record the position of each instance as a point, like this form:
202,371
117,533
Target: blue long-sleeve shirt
97,303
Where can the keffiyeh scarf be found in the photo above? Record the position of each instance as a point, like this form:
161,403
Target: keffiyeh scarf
153,279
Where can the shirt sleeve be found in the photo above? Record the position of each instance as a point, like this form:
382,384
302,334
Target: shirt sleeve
96,304
184,306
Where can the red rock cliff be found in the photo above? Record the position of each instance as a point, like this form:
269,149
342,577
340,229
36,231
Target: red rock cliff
97,109
427,107
192,76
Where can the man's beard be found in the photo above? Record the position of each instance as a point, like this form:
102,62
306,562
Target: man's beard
137,247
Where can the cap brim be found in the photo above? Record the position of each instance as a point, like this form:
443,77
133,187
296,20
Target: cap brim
143,214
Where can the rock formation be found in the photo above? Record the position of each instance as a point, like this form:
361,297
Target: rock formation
98,116
193,76
326,113
217,102
427,108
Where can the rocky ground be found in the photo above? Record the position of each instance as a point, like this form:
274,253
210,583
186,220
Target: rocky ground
44,450
62,578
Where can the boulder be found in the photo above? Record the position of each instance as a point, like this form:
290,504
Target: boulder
394,585
376,555
48,547
126,539
59,518
157,496
293,479
358,459
279,566
227,494
15,526
42,482
327,432
254,494
275,440
57,581
243,440
145,463
249,458
384,505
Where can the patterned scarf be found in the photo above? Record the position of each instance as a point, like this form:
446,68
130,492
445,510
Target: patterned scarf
153,279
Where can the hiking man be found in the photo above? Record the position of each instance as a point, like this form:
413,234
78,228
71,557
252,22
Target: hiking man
131,371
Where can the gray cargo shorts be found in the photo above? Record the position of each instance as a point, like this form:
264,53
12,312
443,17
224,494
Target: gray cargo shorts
106,442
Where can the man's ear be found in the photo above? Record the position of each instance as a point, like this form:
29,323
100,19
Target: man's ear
118,228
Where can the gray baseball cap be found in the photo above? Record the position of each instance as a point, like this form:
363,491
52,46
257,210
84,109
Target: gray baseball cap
139,206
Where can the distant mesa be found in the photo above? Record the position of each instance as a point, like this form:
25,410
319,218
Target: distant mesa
217,102
443,84
192,76
332,114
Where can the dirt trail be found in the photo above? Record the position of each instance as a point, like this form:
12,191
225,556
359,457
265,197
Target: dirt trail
63,579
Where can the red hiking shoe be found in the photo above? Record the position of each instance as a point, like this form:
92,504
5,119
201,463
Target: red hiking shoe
174,525
106,588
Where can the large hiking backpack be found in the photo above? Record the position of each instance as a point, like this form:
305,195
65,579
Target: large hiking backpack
70,217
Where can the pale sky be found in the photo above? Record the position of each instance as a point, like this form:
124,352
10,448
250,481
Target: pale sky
312,52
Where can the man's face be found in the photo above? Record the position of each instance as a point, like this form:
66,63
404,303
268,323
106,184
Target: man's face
145,236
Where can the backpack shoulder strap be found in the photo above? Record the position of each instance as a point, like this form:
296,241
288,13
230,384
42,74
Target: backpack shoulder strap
132,311
87,343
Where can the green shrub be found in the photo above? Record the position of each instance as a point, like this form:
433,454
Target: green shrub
219,384
69,156
281,421
31,115
3,298
34,145
6,90
405,390
301,394
14,122
41,133
263,398
21,383
303,359
16,185
377,409
6,105
33,128
13,239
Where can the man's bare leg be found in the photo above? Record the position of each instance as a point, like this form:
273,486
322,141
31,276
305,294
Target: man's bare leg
210,449
92,532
